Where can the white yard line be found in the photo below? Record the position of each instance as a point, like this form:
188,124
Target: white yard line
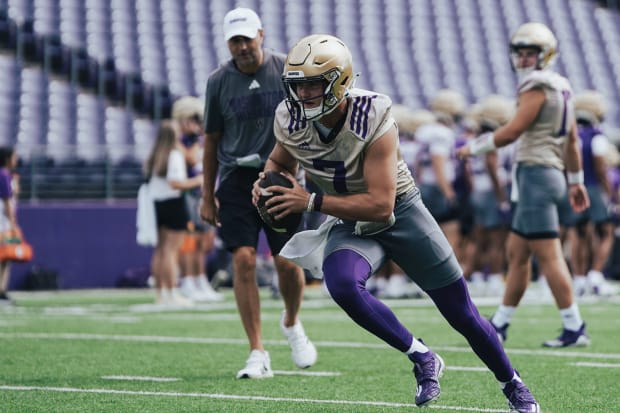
307,373
244,397
142,378
243,341
465,368
599,365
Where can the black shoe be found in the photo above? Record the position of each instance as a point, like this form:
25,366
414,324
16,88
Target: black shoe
5,299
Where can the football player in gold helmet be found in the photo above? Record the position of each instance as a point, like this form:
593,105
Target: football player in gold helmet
545,125
347,141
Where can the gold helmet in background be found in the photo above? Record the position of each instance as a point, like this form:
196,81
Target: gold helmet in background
448,105
494,111
318,57
590,106
533,35
409,120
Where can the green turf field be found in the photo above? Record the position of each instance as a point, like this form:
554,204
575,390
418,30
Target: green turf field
113,351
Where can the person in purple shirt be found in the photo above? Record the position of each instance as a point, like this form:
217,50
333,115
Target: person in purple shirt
8,218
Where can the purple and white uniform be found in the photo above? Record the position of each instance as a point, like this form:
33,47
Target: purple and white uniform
415,242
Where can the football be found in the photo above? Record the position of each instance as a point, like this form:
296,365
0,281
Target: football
289,223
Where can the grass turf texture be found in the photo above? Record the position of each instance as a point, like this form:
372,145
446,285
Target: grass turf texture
58,348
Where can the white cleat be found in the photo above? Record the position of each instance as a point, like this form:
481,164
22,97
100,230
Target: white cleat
303,352
257,366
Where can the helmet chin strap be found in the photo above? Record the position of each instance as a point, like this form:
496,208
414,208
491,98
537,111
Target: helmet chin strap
314,113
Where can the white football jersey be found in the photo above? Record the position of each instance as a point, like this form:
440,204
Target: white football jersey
543,142
435,139
336,163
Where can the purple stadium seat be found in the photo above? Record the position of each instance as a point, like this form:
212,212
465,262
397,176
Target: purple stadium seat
29,43
8,31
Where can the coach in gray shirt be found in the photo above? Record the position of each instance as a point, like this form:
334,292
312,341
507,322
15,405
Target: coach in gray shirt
241,98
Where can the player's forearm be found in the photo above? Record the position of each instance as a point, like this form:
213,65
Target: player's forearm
573,157
360,207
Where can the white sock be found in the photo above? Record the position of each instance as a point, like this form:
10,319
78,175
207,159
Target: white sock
571,318
503,315
418,346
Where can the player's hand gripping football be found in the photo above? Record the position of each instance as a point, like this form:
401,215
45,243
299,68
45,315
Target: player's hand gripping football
289,201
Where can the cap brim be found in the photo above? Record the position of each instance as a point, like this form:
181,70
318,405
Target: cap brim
245,32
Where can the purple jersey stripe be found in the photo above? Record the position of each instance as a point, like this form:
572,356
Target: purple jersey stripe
359,116
297,121
365,117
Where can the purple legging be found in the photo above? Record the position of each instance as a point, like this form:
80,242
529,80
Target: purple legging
346,272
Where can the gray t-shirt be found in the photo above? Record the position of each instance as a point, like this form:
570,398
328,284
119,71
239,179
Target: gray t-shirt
242,107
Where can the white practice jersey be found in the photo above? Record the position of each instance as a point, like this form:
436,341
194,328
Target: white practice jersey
336,164
543,142
435,139
481,179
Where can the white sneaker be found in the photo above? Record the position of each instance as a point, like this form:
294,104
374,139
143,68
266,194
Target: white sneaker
476,284
188,287
495,285
205,291
599,285
397,287
580,285
303,351
257,366
178,300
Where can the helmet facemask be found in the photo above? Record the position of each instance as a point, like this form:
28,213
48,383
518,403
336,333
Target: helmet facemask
318,58
533,36
329,100
542,61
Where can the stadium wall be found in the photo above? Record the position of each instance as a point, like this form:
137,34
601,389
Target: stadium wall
89,244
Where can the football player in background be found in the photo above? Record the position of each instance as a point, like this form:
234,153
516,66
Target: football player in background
347,141
548,144
593,236
490,200
390,281
436,167
241,98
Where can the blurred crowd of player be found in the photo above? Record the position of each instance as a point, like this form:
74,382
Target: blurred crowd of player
471,199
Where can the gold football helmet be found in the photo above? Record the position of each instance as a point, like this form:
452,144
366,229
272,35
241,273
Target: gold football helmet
318,57
410,120
590,107
533,35
494,111
448,105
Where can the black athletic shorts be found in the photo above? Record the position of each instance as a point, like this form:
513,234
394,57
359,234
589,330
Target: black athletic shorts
172,213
